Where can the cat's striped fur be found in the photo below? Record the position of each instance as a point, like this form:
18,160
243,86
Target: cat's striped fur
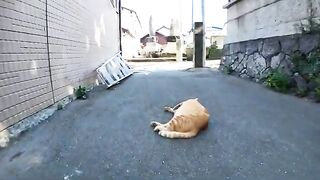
189,118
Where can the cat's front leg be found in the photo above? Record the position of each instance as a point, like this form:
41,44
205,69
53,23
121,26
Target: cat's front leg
169,109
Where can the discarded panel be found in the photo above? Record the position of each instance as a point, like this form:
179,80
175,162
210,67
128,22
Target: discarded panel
113,70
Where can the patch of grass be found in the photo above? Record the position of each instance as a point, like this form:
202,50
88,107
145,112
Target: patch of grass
317,80
227,70
278,81
312,27
307,66
81,93
301,93
317,90
298,60
314,62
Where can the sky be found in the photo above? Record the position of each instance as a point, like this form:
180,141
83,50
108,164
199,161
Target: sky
163,11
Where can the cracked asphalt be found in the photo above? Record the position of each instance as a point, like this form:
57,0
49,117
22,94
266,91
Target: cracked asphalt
254,133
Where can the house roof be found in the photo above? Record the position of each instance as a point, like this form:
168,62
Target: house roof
163,27
148,35
164,30
215,27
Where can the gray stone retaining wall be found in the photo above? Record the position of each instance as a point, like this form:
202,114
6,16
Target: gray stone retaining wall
254,59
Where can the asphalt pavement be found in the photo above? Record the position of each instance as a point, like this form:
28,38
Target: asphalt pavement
254,133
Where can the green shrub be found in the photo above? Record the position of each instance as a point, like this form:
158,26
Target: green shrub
307,66
213,52
278,81
317,80
155,55
59,106
317,90
312,27
81,92
314,60
317,94
301,92
299,61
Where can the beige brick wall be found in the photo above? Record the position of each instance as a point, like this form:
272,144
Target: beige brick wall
24,72
82,34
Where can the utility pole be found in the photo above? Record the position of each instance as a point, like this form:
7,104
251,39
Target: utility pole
179,40
202,11
199,52
192,20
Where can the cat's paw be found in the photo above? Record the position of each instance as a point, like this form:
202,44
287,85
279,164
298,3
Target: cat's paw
168,109
154,124
156,129
163,133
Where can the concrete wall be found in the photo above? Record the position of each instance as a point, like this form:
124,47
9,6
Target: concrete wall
264,35
252,19
82,34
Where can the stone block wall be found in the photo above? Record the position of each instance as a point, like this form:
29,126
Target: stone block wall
254,59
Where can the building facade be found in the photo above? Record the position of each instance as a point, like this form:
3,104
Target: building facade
131,33
49,47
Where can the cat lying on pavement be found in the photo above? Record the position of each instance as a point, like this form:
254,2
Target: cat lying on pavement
189,118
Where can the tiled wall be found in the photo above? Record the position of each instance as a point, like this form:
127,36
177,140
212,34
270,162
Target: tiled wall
24,72
82,34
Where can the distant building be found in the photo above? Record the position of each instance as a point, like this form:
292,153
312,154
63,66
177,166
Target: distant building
164,30
215,36
131,31
160,39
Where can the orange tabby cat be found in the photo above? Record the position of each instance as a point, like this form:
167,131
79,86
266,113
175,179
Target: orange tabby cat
189,118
